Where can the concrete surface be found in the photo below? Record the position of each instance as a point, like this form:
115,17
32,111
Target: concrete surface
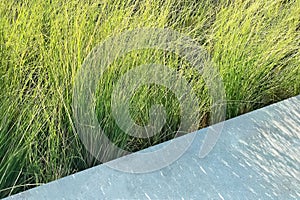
256,157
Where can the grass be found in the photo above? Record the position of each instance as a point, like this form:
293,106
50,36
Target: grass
254,45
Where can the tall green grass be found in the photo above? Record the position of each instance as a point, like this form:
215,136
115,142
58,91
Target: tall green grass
254,44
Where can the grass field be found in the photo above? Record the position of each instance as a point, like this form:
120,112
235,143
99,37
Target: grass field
254,44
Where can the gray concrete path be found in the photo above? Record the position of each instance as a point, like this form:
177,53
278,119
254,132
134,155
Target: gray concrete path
256,157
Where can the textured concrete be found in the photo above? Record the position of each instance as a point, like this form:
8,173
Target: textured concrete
256,157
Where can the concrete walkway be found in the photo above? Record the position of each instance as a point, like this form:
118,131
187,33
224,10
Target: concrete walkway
256,157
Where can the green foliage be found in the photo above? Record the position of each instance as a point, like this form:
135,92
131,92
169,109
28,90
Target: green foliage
254,44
